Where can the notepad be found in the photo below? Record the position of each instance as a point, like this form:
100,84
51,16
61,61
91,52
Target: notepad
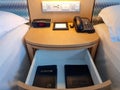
60,26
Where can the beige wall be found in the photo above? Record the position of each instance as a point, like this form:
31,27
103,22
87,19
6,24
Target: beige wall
35,11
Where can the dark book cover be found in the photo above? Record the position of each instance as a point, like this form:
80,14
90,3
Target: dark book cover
77,76
46,76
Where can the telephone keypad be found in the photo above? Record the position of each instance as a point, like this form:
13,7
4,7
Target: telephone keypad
88,27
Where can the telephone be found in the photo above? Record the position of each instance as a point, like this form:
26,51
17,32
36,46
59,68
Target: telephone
83,25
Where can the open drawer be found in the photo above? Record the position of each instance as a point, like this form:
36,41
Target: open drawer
61,58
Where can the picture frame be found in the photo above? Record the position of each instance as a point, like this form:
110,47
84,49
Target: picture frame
60,26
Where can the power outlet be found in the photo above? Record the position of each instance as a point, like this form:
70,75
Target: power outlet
61,6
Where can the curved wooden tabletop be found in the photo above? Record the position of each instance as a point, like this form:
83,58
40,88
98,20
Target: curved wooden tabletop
47,37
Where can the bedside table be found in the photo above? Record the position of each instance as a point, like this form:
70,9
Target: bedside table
47,38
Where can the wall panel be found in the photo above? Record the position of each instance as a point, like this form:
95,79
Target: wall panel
15,6
20,6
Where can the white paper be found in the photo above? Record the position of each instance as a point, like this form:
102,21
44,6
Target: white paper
60,25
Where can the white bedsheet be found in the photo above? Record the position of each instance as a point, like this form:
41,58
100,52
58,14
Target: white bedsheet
12,56
108,57
111,48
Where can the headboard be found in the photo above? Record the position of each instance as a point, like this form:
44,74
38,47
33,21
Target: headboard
35,11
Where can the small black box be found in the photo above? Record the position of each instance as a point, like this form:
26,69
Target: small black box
46,76
77,76
38,23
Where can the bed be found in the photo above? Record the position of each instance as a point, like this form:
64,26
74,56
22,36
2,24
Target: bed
108,52
14,63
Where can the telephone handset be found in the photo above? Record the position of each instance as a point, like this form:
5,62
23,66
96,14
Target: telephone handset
83,25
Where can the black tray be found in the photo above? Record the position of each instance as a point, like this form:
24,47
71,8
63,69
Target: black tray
77,76
46,76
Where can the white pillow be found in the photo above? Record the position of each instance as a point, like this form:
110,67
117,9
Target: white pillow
111,17
9,21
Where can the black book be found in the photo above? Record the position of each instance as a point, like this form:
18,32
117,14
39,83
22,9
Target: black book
77,76
46,76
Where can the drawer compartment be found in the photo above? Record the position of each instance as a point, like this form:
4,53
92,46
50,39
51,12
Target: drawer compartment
61,58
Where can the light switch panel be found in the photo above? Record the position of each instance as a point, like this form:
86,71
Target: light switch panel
61,6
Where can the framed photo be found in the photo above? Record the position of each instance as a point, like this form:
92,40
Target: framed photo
60,26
